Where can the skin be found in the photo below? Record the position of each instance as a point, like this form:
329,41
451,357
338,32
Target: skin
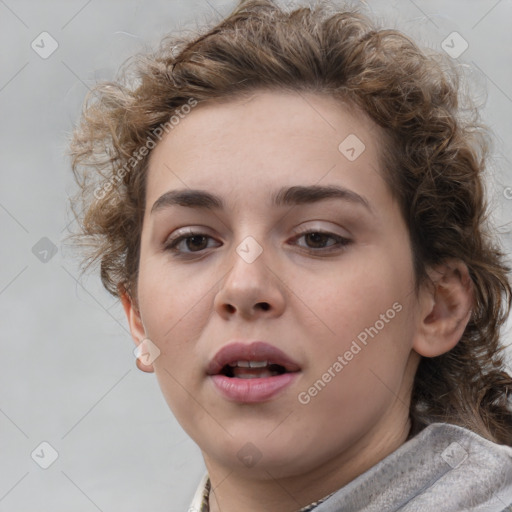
316,298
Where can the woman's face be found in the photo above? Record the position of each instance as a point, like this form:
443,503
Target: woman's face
324,278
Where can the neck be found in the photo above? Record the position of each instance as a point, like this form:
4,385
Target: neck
232,491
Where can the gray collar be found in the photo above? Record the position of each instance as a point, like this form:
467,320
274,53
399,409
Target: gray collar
444,468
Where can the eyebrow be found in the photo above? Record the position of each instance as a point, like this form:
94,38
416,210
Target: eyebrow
286,196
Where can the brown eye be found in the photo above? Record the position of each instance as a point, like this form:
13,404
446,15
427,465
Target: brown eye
189,243
318,240
196,242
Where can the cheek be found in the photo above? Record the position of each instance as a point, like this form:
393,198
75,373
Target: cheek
357,378
174,308
370,313
174,311
168,294
355,296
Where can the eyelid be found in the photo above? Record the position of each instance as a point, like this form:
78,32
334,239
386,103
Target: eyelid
328,230
187,230
172,242
202,230
340,241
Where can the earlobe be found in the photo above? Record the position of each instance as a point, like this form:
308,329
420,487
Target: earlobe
446,303
144,353
136,327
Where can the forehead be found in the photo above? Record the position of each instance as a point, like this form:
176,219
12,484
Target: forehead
256,144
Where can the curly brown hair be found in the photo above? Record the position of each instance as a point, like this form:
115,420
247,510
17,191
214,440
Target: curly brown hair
434,165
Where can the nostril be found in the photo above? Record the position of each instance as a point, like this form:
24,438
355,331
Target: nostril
265,306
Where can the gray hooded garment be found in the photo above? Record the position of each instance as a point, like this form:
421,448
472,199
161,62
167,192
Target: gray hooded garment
444,468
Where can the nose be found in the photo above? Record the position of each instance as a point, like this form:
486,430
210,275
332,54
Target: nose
250,289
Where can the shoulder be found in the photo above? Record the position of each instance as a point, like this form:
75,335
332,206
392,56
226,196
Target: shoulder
460,447
477,472
444,467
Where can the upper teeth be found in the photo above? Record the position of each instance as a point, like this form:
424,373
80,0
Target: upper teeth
249,364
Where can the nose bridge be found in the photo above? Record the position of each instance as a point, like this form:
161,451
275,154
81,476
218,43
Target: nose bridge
249,249
250,282
248,264
251,238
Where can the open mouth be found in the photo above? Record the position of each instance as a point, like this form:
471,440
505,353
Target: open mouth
252,369
253,372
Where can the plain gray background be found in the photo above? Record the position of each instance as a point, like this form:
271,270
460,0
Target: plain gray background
68,374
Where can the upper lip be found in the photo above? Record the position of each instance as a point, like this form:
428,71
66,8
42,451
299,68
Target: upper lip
250,351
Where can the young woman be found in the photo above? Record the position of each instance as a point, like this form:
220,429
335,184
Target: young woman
290,207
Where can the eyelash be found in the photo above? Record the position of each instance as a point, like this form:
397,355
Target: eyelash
341,242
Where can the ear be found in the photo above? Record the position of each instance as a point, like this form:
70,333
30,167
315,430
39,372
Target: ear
136,327
446,303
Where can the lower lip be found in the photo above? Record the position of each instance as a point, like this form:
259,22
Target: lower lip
252,390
